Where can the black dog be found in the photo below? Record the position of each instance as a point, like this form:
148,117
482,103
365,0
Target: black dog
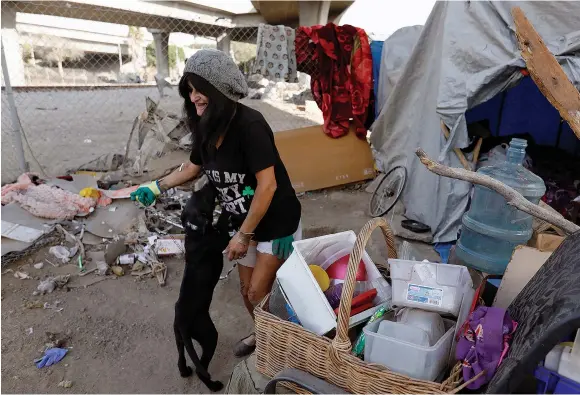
204,244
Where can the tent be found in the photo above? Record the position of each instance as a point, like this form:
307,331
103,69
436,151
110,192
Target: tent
467,55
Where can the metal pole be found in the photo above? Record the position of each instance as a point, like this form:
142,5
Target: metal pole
120,57
17,128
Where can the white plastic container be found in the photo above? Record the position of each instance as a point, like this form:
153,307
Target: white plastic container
420,362
552,360
430,286
570,360
303,292
569,366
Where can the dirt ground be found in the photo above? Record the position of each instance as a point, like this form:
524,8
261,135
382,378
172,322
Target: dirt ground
121,337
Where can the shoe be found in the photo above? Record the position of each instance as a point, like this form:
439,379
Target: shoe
242,348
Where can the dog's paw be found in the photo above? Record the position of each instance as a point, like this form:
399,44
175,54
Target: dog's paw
186,371
215,386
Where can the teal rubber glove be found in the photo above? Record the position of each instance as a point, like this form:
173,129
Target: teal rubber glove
282,247
146,194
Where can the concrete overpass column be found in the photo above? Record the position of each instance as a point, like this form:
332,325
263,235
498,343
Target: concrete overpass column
12,48
313,12
224,43
161,39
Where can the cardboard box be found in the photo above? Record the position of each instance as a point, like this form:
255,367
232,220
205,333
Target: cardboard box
525,262
316,161
547,241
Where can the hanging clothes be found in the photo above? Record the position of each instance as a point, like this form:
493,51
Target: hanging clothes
275,53
338,59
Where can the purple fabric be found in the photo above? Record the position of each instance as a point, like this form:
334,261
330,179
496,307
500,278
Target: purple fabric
484,343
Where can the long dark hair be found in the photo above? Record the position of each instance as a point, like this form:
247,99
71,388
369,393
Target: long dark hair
213,123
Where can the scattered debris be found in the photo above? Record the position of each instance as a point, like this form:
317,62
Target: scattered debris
65,384
77,241
160,271
53,265
62,253
50,284
56,340
33,304
39,265
22,275
29,331
137,267
118,270
114,250
93,281
127,259
87,141
142,273
170,245
102,268
53,306
51,357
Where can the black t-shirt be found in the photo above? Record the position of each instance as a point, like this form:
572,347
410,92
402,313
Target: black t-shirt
248,148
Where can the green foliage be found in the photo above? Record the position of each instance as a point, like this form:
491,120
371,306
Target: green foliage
173,51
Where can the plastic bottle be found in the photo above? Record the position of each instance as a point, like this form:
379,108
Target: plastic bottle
491,228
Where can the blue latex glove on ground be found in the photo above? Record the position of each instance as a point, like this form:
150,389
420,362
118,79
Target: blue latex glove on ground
282,247
50,357
146,194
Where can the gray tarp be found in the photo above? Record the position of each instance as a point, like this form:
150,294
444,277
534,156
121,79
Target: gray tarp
396,52
466,54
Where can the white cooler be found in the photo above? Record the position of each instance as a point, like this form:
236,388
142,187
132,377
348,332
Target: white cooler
303,292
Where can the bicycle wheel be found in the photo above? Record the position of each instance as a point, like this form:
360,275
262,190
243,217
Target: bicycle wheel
388,192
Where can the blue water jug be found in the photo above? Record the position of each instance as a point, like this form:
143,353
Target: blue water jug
492,229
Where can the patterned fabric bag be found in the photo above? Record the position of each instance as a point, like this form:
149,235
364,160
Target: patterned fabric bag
484,343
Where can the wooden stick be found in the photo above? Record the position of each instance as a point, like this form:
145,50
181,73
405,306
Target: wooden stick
457,151
513,197
476,152
547,72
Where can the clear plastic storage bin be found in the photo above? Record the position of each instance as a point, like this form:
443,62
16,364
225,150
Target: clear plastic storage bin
420,362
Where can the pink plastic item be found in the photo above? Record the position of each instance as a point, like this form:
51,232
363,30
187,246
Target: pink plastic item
338,269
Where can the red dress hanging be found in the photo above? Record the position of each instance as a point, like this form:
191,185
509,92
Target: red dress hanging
339,61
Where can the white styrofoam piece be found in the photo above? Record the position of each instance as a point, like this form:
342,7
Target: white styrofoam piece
20,232
429,286
302,290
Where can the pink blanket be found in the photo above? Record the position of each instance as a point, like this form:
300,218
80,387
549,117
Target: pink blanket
46,201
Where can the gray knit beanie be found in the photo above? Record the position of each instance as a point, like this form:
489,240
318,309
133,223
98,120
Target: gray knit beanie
219,70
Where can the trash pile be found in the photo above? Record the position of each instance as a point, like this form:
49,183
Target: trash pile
92,227
154,133
261,88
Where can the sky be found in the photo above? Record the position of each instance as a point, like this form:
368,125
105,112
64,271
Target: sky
379,18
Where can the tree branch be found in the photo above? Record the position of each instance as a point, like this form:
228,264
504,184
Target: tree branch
547,72
513,197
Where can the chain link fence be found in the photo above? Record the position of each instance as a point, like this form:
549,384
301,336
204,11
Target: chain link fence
81,72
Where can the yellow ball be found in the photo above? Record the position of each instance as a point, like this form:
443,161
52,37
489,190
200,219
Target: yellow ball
321,277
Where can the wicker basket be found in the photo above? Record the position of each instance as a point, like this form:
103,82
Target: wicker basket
282,344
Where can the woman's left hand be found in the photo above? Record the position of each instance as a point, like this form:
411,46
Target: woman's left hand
237,249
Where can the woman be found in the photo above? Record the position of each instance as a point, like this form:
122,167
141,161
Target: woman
234,146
